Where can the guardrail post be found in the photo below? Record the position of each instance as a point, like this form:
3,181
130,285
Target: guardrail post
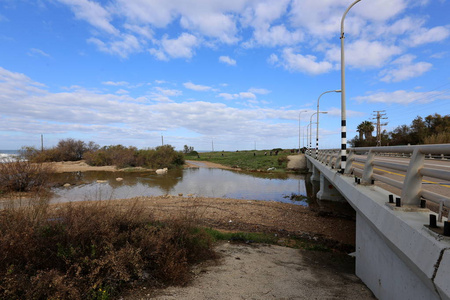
337,162
413,181
368,168
349,165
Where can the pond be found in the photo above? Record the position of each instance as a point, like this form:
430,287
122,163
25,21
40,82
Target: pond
201,181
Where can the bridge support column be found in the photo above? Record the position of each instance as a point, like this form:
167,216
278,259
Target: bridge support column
315,176
328,191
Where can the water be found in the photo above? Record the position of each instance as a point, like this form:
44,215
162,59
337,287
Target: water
193,181
8,155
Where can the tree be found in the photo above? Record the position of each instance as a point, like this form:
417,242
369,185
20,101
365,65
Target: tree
401,135
365,137
187,149
366,128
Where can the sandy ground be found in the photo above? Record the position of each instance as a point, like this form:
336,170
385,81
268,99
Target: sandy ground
259,271
267,272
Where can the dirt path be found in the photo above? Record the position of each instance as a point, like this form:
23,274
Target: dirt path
267,272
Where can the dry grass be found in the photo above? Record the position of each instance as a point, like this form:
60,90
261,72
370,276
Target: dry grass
93,250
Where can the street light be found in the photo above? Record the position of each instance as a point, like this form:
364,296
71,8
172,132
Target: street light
299,134
308,138
310,121
317,129
343,111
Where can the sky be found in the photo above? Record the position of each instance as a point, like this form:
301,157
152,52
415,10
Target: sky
213,74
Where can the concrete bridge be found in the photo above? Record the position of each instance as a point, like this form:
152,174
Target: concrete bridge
401,199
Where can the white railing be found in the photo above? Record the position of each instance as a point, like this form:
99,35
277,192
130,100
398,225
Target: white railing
411,188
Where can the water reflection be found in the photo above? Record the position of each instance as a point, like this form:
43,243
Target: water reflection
195,181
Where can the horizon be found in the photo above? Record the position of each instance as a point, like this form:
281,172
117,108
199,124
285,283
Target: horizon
232,73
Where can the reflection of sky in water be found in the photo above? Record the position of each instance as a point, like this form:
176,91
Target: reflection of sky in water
200,182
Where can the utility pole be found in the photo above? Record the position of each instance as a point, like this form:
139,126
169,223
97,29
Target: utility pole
379,117
162,140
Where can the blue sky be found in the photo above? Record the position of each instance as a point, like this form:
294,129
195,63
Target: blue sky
235,73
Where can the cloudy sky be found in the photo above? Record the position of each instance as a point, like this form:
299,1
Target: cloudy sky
235,73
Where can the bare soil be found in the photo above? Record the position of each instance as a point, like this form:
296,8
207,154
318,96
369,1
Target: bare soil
267,272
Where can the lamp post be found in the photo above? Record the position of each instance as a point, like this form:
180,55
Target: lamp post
343,110
299,132
310,128
317,129
308,137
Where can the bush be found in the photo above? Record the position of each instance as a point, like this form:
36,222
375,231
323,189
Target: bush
24,176
439,138
66,150
118,155
93,251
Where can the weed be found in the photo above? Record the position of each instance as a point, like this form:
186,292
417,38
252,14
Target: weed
93,250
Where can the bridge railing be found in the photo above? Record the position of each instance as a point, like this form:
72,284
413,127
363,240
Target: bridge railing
411,188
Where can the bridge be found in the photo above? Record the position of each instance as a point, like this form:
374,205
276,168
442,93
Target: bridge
401,198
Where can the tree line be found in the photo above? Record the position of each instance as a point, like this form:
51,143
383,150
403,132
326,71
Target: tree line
117,155
433,129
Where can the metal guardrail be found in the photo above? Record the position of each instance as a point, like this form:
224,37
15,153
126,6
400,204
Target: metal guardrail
411,187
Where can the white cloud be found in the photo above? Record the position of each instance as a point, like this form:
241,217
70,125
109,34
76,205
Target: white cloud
303,63
29,108
169,92
273,59
425,36
275,36
402,97
181,47
380,10
364,54
115,83
34,52
123,46
259,91
122,92
247,95
405,69
228,96
144,31
93,13
227,60
196,87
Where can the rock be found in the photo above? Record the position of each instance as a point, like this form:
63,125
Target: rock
119,179
161,171
102,181
66,185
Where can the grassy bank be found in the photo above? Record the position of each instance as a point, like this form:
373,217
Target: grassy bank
260,160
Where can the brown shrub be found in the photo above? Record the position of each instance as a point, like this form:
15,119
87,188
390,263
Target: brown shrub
24,176
81,251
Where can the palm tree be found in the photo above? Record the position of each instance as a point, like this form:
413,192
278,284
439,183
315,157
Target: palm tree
365,129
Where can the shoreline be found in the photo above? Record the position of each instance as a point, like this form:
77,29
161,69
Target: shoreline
82,166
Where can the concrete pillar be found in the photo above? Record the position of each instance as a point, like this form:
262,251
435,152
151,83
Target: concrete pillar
328,191
315,176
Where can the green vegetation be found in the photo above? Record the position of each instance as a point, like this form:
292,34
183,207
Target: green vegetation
93,251
247,160
122,157
116,155
434,129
